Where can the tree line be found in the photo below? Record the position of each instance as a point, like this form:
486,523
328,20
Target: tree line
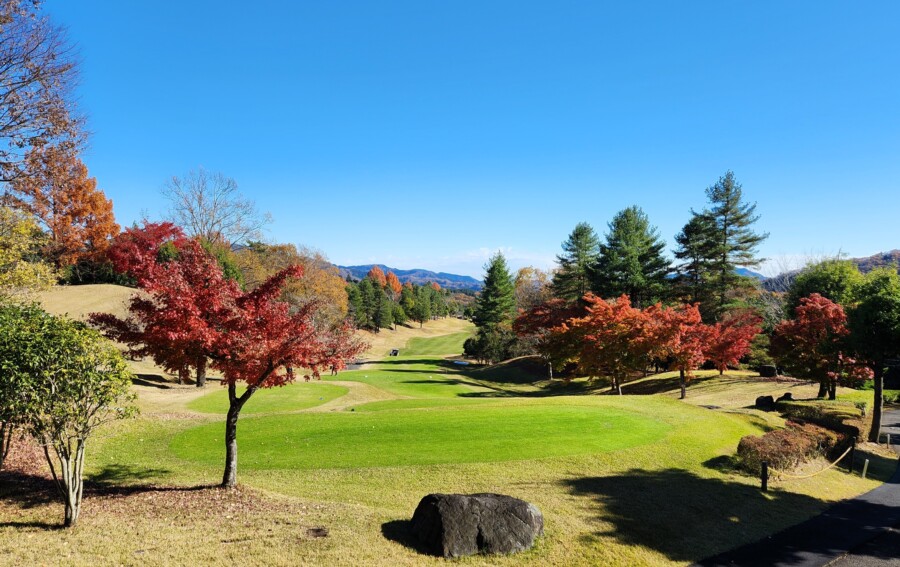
380,301
616,306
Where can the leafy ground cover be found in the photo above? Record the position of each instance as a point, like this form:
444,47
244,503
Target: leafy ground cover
631,480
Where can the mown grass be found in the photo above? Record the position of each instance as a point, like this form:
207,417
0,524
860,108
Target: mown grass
290,398
436,346
654,487
446,435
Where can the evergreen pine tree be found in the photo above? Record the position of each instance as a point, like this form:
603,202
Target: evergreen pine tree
733,243
383,313
497,302
695,251
631,260
576,264
422,309
368,303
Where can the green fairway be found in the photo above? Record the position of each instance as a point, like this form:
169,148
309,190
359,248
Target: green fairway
412,379
289,398
436,346
501,432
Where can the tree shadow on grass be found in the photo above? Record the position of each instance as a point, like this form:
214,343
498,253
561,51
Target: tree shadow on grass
685,516
116,474
26,490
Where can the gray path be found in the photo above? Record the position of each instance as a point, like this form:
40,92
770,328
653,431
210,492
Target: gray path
853,533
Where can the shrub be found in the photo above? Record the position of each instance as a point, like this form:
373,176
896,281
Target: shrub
786,448
846,418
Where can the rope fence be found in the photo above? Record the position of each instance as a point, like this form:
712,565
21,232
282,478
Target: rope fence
781,476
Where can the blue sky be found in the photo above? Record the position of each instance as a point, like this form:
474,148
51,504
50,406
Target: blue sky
429,134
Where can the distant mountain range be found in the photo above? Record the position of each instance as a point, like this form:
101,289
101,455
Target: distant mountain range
749,273
416,276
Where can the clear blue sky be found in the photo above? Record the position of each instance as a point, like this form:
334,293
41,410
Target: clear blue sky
429,134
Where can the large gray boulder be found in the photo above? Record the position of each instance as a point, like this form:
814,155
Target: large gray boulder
455,525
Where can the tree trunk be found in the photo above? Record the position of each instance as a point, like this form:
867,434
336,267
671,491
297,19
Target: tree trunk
68,478
832,389
875,432
184,375
823,389
6,435
682,383
229,478
201,372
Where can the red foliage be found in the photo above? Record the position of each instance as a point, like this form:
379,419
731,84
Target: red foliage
730,338
812,344
377,276
615,338
684,339
136,249
542,325
435,286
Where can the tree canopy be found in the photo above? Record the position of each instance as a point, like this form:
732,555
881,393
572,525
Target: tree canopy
631,260
574,276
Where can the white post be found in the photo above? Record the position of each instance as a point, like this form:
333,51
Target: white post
865,468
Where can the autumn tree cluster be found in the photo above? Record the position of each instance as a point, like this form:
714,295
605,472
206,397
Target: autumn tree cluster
380,301
844,328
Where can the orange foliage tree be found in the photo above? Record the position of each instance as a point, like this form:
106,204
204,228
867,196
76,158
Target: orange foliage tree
76,215
377,276
321,282
393,284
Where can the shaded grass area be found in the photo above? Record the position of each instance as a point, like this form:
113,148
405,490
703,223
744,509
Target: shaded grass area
448,435
290,398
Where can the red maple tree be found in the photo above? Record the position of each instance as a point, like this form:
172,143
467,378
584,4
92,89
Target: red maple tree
684,339
251,337
729,339
813,344
614,338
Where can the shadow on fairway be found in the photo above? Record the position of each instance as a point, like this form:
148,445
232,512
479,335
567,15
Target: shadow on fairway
684,516
400,531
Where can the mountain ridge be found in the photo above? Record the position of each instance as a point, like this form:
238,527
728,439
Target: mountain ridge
417,276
